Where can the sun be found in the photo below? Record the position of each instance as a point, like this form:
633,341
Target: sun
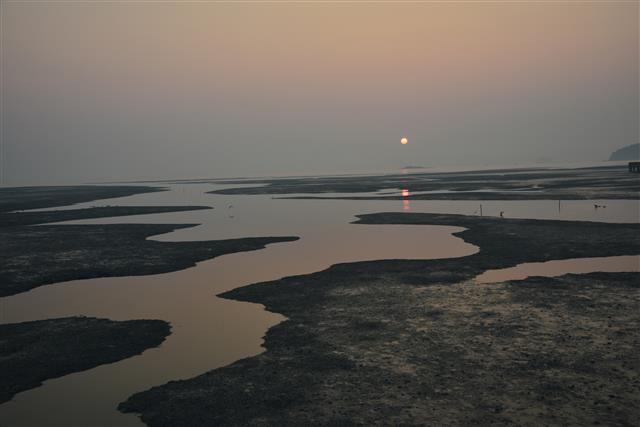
404,141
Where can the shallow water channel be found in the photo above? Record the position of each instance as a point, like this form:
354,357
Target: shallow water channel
209,332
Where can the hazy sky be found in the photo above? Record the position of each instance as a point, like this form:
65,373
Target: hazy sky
146,90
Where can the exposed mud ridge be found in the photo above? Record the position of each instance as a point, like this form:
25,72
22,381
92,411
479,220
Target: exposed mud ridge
15,219
36,256
402,342
21,198
32,352
32,256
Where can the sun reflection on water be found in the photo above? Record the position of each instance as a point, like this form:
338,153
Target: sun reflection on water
405,199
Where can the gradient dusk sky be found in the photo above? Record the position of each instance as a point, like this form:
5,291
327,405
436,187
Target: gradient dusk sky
150,90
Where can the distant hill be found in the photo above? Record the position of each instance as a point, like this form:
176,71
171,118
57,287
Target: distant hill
630,152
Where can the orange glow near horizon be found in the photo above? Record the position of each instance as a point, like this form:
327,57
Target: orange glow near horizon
404,141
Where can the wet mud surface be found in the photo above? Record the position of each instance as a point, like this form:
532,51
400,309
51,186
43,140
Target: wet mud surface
419,343
32,352
42,255
32,256
14,219
22,198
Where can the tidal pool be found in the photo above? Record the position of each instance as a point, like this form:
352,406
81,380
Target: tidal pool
559,267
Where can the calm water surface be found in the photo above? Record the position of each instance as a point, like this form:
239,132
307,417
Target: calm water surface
560,267
207,331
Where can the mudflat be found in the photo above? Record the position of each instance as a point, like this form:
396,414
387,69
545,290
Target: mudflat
32,352
611,182
43,255
32,256
22,198
401,342
13,219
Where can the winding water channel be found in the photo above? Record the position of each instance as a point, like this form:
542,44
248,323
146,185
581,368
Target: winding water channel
209,332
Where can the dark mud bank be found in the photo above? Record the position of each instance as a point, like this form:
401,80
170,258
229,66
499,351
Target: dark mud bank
36,256
14,219
32,256
21,198
32,352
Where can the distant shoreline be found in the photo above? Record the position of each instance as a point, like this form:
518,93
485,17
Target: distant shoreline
612,182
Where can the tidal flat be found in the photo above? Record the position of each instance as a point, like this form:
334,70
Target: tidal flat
33,255
24,198
345,321
604,182
410,342
32,352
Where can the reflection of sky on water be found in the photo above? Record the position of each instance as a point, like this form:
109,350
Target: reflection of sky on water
560,267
